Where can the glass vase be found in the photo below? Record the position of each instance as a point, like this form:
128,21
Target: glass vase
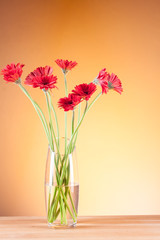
61,186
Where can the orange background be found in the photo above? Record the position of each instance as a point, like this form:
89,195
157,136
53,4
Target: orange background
119,141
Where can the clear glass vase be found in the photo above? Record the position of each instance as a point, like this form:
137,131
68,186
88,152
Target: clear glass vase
61,186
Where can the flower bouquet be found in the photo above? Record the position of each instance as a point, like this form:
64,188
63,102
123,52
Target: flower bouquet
61,178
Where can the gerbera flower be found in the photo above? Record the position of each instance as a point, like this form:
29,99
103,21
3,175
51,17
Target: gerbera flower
42,77
12,72
69,103
102,80
65,65
85,90
115,83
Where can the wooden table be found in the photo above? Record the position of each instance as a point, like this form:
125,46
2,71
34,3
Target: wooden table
109,228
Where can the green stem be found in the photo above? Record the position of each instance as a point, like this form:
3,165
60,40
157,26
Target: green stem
72,202
49,104
38,110
65,115
50,121
79,115
63,210
52,130
55,116
72,122
52,146
54,196
65,200
65,82
94,100
72,127
49,197
66,92
54,207
79,124
45,122
56,214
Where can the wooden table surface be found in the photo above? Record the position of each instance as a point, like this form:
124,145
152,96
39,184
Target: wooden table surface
104,227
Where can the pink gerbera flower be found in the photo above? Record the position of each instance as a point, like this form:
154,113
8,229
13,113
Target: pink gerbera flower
85,90
69,103
12,72
42,77
65,65
115,83
102,80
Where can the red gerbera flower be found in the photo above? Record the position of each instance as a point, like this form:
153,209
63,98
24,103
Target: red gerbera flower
102,80
42,77
69,103
12,72
85,90
115,83
65,65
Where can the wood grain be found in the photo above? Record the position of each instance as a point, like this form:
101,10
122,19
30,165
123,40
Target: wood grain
104,227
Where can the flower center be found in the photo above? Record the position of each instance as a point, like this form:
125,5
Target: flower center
45,80
110,85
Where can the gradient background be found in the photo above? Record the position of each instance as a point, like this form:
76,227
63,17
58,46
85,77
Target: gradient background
119,141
